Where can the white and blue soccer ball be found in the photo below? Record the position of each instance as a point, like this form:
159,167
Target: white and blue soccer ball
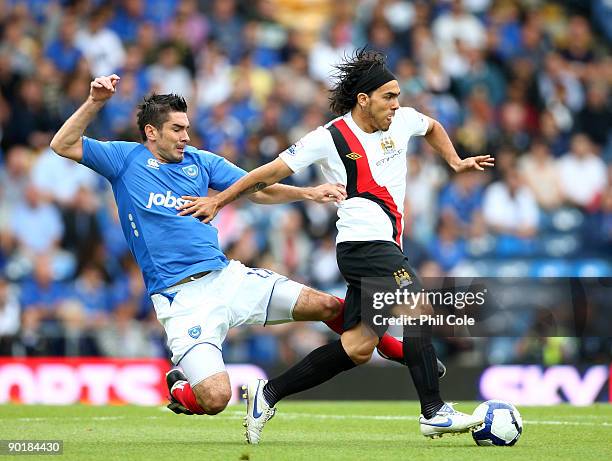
502,425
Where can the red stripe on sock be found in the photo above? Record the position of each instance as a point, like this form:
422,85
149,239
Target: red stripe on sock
391,347
337,324
184,394
388,345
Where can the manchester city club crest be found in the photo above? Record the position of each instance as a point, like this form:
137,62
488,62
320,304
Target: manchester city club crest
388,145
195,332
191,170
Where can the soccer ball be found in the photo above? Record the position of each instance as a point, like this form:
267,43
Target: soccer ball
502,426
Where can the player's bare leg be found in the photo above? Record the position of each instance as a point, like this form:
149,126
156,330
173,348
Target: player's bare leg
208,397
359,343
316,305
209,391
214,393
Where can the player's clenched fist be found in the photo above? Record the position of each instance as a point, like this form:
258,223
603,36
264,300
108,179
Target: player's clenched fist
102,88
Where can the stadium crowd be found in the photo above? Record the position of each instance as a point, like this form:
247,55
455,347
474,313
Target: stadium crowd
524,80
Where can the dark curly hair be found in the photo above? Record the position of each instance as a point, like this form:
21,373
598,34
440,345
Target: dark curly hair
154,110
348,73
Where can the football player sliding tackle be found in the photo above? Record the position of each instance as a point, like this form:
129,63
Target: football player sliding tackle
365,150
197,293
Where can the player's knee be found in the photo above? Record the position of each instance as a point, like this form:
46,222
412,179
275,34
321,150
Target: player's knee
362,353
330,308
214,401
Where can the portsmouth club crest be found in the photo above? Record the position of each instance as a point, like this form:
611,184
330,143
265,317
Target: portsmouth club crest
191,170
195,332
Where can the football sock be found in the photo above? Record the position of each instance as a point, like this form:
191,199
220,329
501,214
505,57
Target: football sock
336,324
390,347
421,360
184,394
317,367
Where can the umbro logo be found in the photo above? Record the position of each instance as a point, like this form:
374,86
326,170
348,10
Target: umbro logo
354,156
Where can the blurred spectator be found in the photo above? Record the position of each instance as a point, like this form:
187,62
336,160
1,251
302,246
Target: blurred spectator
63,51
328,52
9,317
129,333
189,24
291,246
422,186
463,197
595,118
324,269
603,226
41,298
226,27
504,29
60,179
579,50
510,208
295,73
31,122
36,225
134,64
167,75
14,177
127,18
100,45
219,127
81,227
458,25
583,174
213,78
481,74
539,169
448,248
20,48
381,38
558,85
9,78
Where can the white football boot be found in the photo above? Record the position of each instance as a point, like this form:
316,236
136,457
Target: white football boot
447,420
258,410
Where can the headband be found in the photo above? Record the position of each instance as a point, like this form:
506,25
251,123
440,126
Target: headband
373,79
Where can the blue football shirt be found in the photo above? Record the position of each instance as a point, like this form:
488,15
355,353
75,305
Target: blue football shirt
167,247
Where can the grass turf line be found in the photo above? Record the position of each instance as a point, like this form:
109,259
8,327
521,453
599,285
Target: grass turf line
300,431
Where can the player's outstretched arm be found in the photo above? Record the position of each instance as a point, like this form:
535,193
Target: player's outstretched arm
67,142
281,193
438,138
258,179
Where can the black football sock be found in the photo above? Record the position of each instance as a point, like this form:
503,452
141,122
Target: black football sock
317,367
420,357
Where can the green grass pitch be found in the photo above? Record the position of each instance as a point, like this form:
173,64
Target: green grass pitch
300,431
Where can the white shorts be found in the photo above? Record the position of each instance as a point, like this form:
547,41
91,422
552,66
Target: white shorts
202,311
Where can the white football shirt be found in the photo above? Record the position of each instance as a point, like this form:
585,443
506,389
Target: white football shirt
371,165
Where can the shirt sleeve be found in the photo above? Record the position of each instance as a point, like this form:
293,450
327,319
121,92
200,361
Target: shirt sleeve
222,173
416,123
106,158
313,147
